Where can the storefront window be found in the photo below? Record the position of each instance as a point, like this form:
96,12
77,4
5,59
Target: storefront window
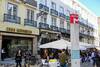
13,44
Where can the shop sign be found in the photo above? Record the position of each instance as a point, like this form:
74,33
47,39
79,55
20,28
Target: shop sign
18,30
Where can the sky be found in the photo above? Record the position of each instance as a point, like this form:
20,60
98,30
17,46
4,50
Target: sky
93,5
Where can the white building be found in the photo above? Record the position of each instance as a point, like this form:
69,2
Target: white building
60,10
25,22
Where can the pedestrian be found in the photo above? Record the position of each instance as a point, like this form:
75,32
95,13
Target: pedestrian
18,58
63,58
2,54
97,60
27,57
93,58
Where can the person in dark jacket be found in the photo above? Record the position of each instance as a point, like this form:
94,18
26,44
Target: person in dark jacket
18,58
97,59
27,57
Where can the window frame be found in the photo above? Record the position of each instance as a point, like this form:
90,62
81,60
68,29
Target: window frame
53,5
12,10
30,14
54,21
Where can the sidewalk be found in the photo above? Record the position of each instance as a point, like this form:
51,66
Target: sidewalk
87,64
11,63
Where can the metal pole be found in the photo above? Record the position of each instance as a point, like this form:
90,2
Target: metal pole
75,52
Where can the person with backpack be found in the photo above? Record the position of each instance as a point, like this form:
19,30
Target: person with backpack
63,58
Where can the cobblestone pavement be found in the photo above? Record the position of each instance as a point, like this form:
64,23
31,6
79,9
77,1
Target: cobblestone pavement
86,64
12,64
82,65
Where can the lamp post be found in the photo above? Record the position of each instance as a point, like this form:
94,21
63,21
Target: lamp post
75,52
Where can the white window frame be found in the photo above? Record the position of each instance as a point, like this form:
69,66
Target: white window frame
53,5
61,9
30,15
61,23
11,6
54,21
43,18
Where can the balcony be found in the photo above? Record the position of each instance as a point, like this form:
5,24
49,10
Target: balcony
62,15
83,22
54,28
90,25
28,22
54,12
63,30
81,34
43,7
31,2
86,34
11,18
43,26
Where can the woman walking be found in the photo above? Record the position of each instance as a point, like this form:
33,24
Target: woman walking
18,58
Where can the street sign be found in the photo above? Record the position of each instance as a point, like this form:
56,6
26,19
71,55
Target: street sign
74,18
75,52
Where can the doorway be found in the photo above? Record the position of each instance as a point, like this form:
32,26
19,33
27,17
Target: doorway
11,45
5,45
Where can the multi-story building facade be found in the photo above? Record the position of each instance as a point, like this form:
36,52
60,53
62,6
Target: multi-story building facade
18,26
25,24
52,22
88,29
87,20
88,23
99,29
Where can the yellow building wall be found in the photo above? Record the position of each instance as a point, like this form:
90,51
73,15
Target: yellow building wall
21,13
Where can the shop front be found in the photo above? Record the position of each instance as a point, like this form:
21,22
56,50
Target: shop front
14,38
11,44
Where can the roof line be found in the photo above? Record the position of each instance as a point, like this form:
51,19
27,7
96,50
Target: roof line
85,7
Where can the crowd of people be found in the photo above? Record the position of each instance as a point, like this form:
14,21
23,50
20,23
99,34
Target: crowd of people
27,58
61,55
92,57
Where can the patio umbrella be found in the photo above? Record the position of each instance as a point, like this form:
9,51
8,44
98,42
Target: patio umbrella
59,44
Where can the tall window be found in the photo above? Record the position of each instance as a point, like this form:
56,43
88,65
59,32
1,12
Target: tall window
68,25
30,14
81,29
44,18
54,20
53,5
12,9
68,12
61,9
44,2
62,23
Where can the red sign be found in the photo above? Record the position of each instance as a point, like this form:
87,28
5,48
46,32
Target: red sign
73,18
